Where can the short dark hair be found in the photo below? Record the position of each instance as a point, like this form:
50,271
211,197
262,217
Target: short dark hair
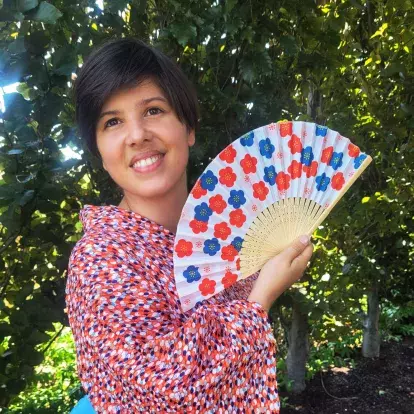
122,64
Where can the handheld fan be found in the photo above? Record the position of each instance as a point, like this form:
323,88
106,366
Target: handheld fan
261,192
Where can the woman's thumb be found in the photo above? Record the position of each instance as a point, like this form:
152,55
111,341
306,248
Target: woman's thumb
296,248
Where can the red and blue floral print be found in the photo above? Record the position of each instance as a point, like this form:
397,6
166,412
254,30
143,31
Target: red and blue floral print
269,164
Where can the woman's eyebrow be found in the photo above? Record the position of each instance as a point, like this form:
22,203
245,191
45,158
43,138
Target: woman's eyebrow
140,103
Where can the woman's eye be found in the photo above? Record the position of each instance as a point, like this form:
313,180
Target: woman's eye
109,123
154,111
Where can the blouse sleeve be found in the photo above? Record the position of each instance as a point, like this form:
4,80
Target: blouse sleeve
164,360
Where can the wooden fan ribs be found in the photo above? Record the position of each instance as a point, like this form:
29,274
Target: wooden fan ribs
292,217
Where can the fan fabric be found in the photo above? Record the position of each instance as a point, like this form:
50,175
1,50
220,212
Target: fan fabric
254,198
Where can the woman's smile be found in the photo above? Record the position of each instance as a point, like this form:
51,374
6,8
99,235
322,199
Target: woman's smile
149,164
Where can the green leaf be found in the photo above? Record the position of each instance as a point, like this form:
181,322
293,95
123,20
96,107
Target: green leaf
27,196
248,70
24,5
8,15
229,5
17,46
289,45
183,32
64,61
392,69
46,13
37,42
37,337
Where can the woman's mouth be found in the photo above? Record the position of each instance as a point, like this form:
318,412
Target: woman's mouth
148,164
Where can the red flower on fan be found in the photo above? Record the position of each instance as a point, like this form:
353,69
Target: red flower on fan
228,154
217,204
207,287
229,279
283,181
260,190
198,191
327,155
227,176
198,226
229,253
353,150
295,169
238,263
295,144
248,163
311,170
184,248
222,231
338,181
237,218
285,129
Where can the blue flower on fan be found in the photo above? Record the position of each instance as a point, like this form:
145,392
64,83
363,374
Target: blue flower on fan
266,148
359,160
237,243
306,156
322,182
247,140
203,212
211,246
192,274
336,160
237,198
208,181
321,131
270,175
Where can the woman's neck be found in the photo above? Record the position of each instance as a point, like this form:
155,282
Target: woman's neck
165,211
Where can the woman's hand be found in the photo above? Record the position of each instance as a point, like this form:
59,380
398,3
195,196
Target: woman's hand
280,272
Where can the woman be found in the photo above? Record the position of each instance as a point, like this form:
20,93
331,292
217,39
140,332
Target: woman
136,350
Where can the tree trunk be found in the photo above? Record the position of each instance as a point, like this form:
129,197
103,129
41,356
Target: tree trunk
298,350
371,341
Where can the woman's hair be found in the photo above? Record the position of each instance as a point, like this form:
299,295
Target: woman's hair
122,64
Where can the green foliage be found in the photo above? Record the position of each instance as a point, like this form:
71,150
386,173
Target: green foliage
397,321
55,388
346,63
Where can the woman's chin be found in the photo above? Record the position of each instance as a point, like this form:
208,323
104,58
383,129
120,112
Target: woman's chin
153,189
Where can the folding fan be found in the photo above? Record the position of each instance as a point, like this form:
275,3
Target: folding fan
261,192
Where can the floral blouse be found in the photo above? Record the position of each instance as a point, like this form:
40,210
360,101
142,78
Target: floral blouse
137,351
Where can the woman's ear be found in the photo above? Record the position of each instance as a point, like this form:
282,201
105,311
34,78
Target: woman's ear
191,138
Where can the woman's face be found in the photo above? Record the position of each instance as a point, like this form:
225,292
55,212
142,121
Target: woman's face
143,145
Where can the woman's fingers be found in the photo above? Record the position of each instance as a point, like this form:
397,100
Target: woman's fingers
302,260
296,249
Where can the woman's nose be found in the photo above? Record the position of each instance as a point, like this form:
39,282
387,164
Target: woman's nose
136,132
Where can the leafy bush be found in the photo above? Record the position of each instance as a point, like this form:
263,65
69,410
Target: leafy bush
55,387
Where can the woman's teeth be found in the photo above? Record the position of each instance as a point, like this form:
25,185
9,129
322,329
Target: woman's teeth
146,161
